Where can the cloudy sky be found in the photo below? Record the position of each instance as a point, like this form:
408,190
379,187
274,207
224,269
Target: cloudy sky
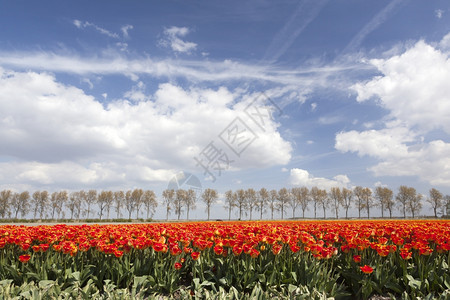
114,95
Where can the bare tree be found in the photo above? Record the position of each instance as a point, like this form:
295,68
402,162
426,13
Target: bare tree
302,197
446,206
190,200
73,203
368,200
209,196
250,197
35,202
168,199
337,199
40,201
137,200
150,203
404,196
119,198
109,203
62,198
230,202
90,198
293,200
273,196
241,202
104,200
284,196
20,203
79,206
263,198
384,196
5,197
323,200
129,203
320,198
54,203
436,200
359,194
180,197
347,196
415,204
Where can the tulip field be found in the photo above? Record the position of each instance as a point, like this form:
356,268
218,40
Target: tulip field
227,260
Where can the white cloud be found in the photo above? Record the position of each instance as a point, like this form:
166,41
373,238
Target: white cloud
81,25
313,106
122,46
137,93
302,81
328,120
384,14
303,15
445,42
439,13
52,133
431,162
300,177
88,82
125,30
385,143
414,89
173,40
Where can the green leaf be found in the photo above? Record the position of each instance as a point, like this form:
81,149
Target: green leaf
413,283
46,284
394,287
291,288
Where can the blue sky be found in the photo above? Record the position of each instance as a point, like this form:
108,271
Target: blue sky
114,95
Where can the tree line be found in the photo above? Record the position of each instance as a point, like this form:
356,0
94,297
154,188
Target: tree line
245,202
78,204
